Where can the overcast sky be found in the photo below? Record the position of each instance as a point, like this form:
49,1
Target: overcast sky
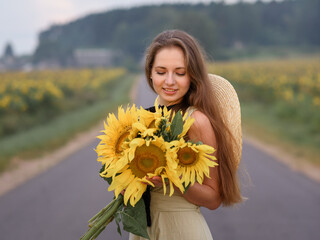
22,20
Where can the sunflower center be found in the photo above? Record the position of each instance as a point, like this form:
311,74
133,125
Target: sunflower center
146,160
121,139
187,156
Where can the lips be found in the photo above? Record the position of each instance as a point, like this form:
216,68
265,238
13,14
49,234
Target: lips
169,91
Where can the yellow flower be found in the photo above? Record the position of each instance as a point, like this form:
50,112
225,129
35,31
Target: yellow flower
149,121
146,158
134,186
171,173
194,161
111,146
187,122
144,131
163,111
316,101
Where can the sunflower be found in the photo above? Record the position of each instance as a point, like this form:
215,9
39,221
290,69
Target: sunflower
163,110
187,122
171,174
149,121
146,158
116,132
194,161
144,131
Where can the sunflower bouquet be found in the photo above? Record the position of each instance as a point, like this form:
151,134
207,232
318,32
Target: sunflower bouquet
137,146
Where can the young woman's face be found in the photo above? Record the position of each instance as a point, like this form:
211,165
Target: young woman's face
169,75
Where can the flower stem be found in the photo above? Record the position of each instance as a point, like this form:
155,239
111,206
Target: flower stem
102,211
96,234
104,220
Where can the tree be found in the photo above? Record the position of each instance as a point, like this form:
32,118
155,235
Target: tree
8,51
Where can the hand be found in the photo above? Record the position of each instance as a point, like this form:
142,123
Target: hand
156,180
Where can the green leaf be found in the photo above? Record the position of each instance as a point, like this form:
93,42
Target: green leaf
117,218
163,125
102,168
134,219
166,137
176,125
186,187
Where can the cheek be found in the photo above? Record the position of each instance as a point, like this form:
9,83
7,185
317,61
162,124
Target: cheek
156,84
186,85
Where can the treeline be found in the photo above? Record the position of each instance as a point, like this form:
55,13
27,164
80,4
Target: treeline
217,26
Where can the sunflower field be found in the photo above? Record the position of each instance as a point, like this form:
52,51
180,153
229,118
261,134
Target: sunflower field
28,99
288,89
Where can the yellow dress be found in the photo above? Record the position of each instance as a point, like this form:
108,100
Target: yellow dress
174,218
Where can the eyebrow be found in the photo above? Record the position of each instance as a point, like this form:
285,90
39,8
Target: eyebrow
166,68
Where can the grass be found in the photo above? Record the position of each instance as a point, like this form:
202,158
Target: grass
261,122
41,139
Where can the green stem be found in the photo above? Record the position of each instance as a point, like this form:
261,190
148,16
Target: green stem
96,234
104,220
102,211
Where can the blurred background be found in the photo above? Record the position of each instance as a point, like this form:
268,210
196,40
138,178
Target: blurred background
65,64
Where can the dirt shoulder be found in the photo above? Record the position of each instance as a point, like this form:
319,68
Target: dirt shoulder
23,170
294,163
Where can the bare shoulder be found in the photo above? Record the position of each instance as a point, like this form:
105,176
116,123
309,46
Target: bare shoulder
201,129
200,119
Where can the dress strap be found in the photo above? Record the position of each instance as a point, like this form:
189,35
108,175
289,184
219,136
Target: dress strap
190,110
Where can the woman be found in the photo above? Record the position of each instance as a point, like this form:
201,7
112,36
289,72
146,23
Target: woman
175,70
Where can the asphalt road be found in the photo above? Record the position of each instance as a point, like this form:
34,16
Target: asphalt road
57,204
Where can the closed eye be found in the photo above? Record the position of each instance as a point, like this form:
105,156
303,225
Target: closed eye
181,74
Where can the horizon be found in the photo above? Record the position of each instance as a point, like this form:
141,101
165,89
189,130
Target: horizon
34,16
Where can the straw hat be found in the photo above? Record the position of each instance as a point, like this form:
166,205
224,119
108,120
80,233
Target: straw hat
229,106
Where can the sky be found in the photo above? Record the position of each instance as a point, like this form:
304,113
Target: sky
22,20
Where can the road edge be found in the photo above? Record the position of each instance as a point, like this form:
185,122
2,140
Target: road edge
298,165
24,170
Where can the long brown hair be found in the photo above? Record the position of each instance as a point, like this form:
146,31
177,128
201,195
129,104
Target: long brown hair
200,96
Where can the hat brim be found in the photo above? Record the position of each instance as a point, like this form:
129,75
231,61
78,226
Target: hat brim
229,106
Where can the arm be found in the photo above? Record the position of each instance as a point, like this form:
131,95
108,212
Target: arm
207,194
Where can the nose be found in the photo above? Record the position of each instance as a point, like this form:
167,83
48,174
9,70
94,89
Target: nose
170,79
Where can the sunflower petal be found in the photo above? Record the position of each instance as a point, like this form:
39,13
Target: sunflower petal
164,184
